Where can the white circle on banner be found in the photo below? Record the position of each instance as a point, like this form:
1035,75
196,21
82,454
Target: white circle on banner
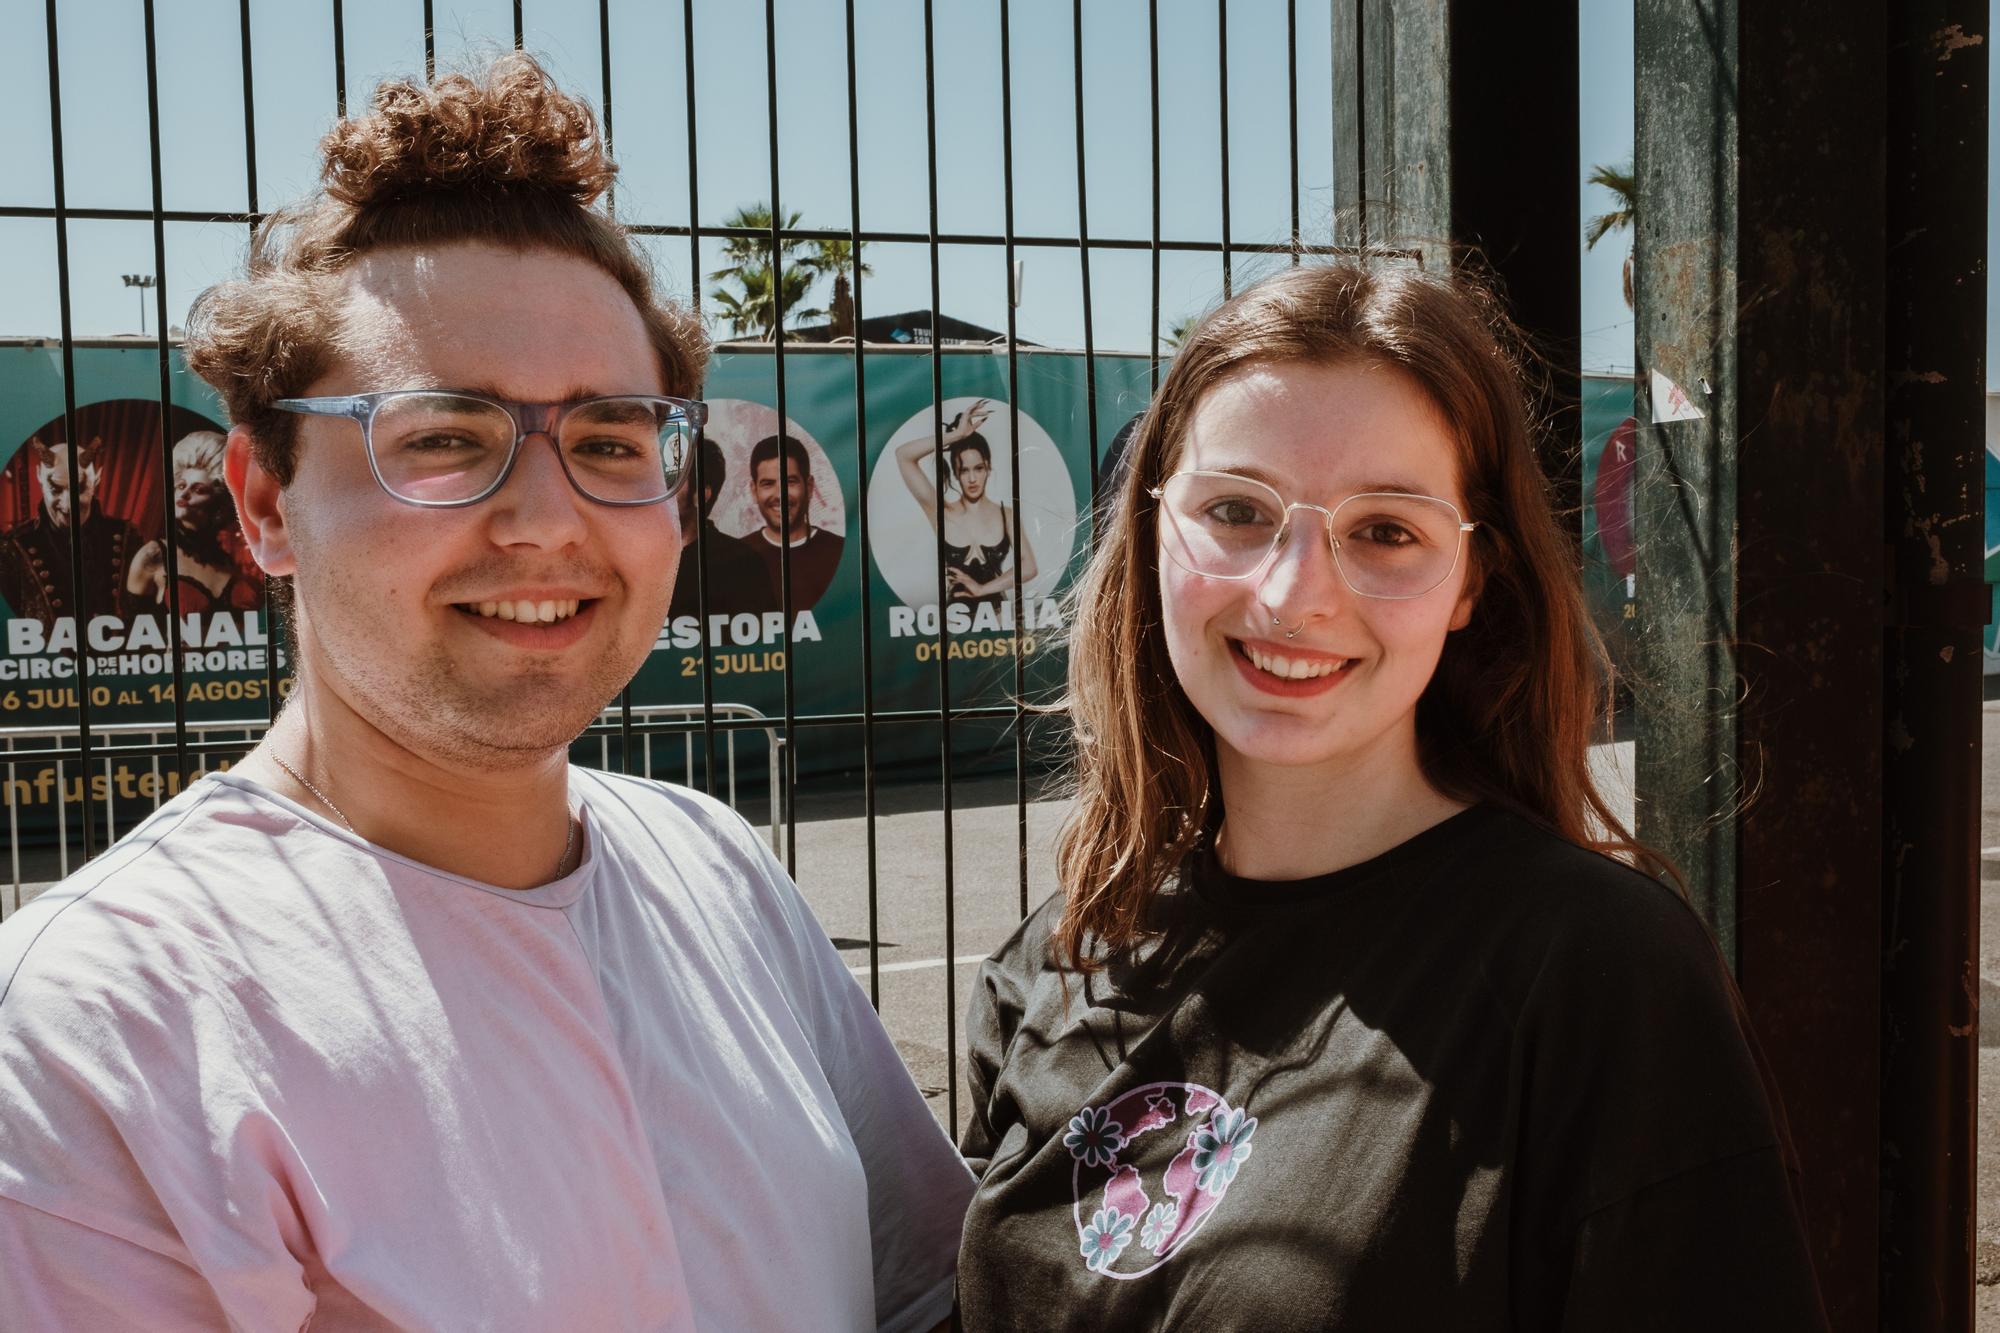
904,541
736,425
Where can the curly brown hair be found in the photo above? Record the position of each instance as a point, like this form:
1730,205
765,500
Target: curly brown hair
503,156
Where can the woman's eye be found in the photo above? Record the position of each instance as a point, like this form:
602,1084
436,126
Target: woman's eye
1385,534
1233,513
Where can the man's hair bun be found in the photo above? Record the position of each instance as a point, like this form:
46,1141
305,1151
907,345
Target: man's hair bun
510,130
499,156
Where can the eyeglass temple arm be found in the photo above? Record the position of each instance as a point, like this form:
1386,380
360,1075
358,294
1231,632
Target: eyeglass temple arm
324,407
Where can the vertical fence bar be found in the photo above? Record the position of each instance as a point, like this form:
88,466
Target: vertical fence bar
1222,107
168,534
1014,452
339,60
790,768
1083,256
701,518
1292,105
604,90
861,510
249,112
519,31
79,586
265,604
62,821
13,825
943,633
611,207
430,43
1153,119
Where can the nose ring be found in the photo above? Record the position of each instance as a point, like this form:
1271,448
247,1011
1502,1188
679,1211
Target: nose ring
1293,632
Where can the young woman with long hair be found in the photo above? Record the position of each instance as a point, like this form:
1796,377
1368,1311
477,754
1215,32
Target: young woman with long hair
1353,1011
979,559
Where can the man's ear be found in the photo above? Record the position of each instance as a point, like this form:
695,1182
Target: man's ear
260,505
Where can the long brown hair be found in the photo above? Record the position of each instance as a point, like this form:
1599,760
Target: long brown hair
1518,694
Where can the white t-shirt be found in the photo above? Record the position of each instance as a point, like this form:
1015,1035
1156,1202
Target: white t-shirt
257,1072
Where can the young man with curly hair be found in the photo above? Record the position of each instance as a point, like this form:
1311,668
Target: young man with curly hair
404,1022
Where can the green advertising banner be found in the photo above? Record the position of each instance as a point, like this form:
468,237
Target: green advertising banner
1005,462
1007,466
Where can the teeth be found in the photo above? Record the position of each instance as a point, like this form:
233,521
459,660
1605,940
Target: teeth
526,612
1289,668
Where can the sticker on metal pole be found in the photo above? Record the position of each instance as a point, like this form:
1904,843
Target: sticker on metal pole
1671,403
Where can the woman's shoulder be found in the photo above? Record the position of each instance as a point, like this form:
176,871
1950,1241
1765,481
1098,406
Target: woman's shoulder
1026,954
1574,929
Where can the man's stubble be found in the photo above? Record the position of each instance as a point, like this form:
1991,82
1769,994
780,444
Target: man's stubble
423,703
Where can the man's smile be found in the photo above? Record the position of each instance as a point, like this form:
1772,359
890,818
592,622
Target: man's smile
525,611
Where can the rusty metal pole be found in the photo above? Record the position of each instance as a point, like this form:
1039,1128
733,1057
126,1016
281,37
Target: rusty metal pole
1760,277
1810,243
1937,603
1685,283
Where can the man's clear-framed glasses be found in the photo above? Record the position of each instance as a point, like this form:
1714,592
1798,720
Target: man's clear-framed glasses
1386,544
448,448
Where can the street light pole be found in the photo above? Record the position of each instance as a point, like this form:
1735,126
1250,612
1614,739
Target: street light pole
144,282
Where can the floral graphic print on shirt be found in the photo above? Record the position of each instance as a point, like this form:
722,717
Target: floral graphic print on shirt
1167,1153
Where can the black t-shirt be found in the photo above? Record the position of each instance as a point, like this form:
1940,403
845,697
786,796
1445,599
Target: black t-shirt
813,561
737,581
1487,1080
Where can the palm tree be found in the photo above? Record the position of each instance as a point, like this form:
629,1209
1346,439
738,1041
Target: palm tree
757,305
1623,182
1176,335
838,259
750,306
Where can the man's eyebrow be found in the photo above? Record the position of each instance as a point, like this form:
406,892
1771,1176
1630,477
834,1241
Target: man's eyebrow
573,394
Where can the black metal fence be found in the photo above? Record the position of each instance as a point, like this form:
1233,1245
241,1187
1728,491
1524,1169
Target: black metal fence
1266,37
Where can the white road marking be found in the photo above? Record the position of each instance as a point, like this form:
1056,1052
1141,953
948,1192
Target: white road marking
918,964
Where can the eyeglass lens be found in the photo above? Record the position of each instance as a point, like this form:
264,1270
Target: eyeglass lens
1392,546
439,448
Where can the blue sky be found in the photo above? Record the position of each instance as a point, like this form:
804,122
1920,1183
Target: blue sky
103,73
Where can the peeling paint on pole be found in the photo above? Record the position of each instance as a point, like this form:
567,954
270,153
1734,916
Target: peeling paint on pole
1684,281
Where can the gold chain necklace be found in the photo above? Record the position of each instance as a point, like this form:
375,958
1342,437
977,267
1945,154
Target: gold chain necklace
569,820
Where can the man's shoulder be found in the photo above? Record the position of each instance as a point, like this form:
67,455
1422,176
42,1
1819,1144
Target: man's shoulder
678,822
132,924
653,795
677,856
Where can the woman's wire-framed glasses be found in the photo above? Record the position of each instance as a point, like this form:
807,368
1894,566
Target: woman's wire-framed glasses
1387,545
